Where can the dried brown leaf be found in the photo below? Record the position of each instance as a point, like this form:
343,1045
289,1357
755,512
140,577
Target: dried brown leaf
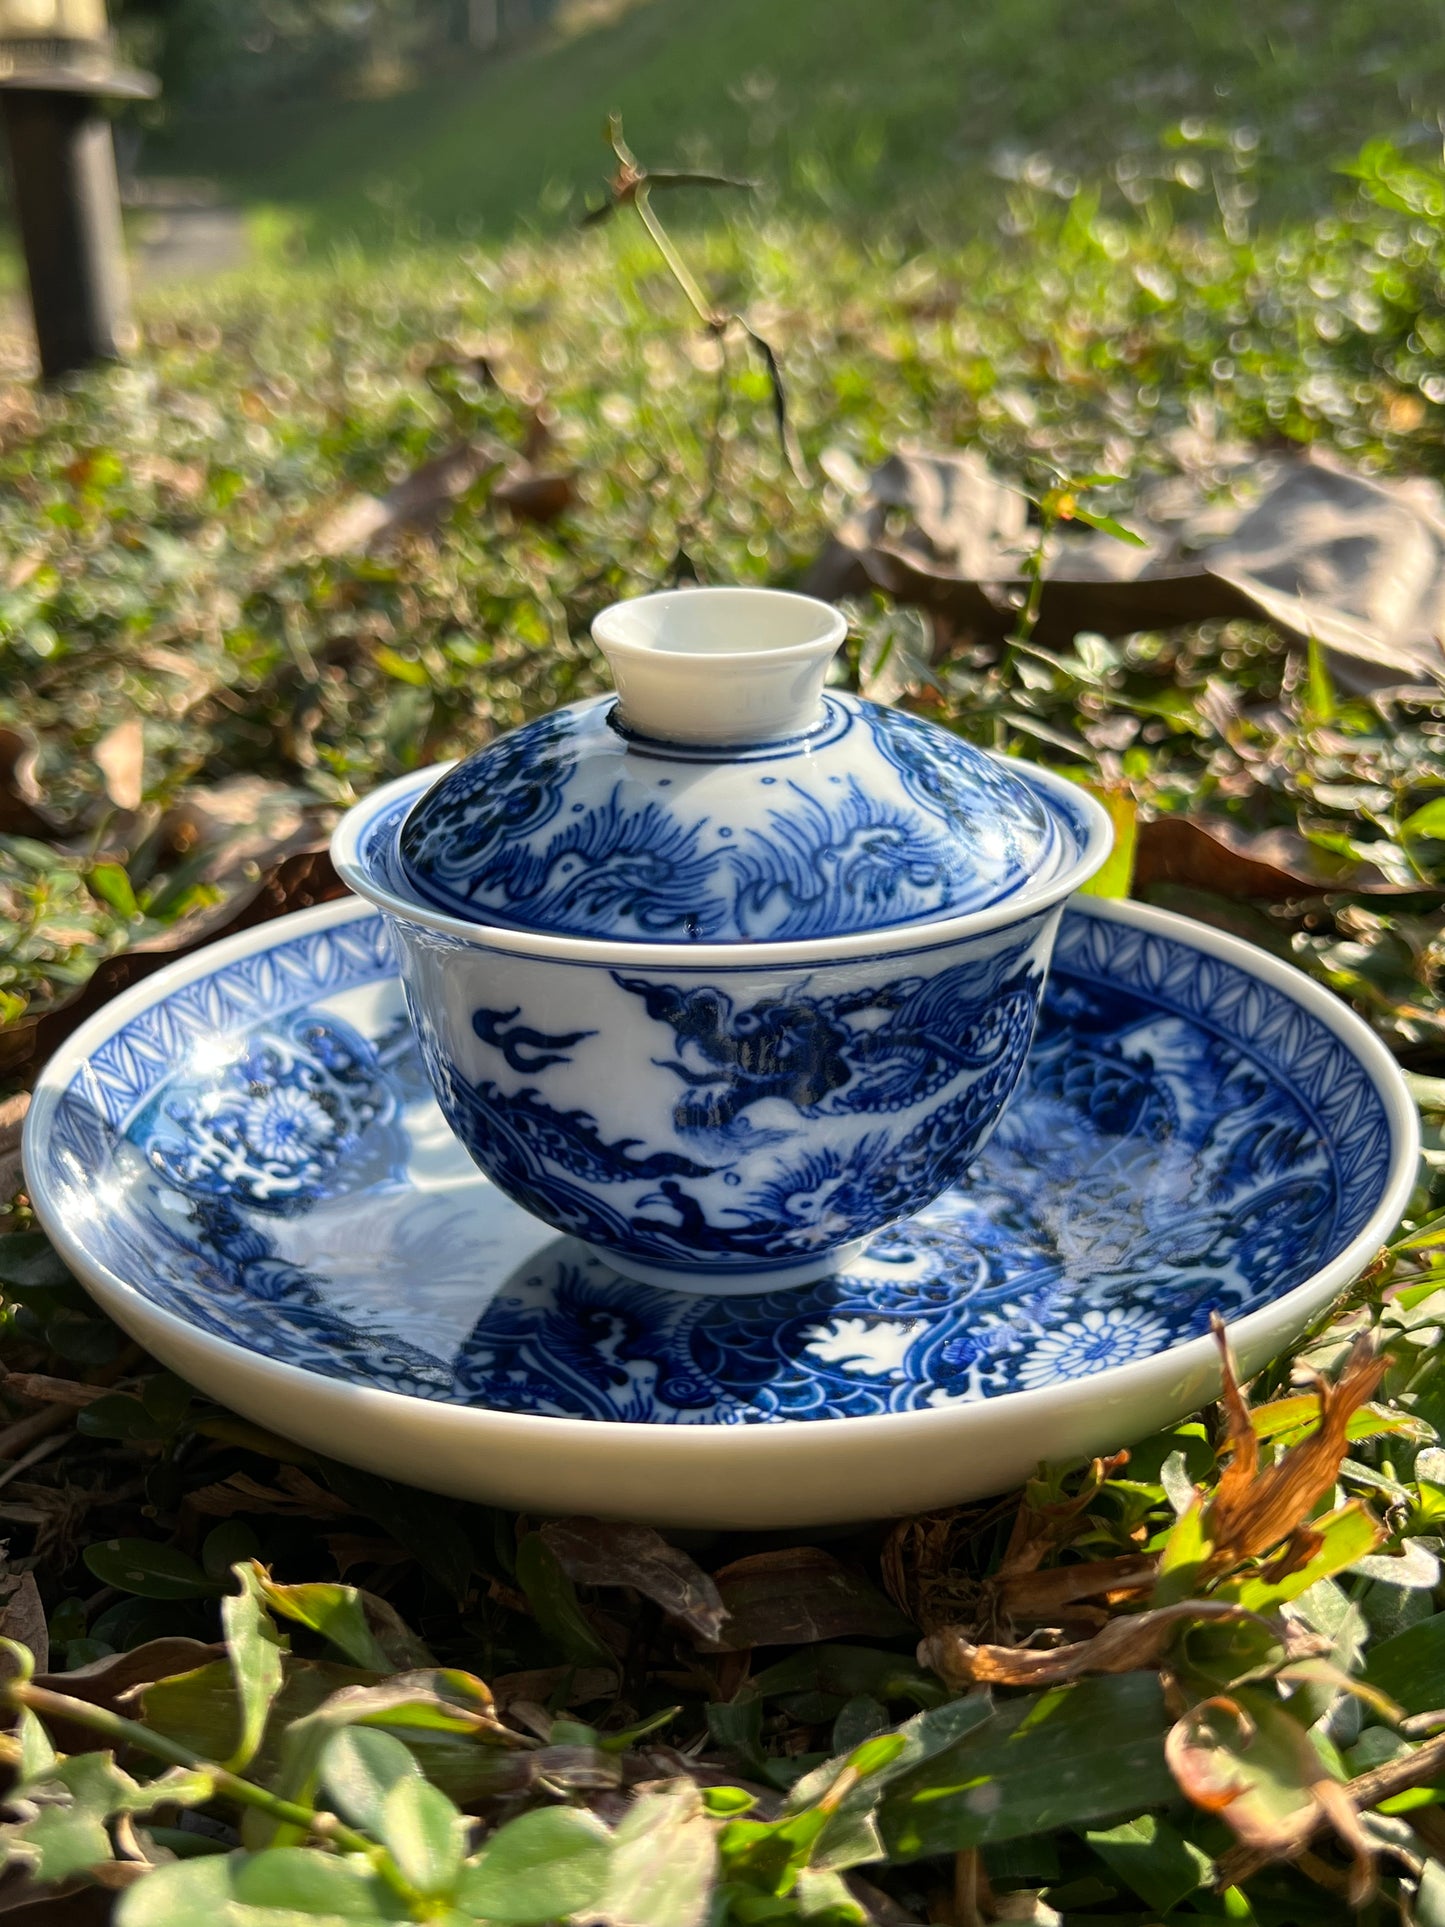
1253,1511
120,758
798,1596
52,1391
294,1493
1041,1598
22,1618
1319,552
1039,1530
596,1552
22,811
1124,1645
417,503
1267,1782
536,495
580,1685
1274,865
352,1549
106,1682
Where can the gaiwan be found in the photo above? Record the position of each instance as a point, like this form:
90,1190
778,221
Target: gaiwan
727,971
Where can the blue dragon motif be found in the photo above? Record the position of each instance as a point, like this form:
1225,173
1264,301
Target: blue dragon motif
1162,1160
880,1049
567,825
877,1051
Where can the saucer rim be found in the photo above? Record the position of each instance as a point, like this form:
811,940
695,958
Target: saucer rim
1255,1336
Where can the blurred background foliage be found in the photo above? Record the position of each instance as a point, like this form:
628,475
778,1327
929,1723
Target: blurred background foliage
351,506
403,121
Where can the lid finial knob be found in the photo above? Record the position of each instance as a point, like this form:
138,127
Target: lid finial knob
720,667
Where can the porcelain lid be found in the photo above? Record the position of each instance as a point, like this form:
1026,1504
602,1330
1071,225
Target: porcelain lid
723,795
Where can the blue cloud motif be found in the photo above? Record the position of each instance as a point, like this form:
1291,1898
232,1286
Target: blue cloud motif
509,794
636,872
852,864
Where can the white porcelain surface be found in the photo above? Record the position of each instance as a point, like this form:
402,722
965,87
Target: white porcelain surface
767,654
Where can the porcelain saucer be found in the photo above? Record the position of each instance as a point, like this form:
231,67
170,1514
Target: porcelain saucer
242,1161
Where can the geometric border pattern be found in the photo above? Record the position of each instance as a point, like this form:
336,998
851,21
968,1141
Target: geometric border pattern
1326,1077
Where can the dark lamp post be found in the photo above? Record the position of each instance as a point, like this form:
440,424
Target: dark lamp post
57,70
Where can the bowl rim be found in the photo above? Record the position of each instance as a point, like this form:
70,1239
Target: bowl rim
1032,899
1250,1335
832,629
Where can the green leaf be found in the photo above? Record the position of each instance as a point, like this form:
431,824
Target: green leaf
437,1700
1297,1416
1410,1666
256,1653
147,1567
308,1883
539,1867
82,1337
1066,1758
847,1671
339,1613
30,1264
736,1728
664,1861
728,1801
402,668
1319,684
1116,877
1347,1535
59,1842
1427,821
926,1735
110,883
553,1599
1106,525
1182,1558
279,1888
1154,1857
178,1896
226,1546
823,1897
75,1797
860,1718
422,1831
167,1399
359,1768
37,1755
117,1416
202,1709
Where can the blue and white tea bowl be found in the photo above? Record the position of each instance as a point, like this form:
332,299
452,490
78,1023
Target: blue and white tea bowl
723,1117
727,972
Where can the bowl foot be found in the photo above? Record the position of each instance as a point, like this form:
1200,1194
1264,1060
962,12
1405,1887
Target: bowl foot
720,1281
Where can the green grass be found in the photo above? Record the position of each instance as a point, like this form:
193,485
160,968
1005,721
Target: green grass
844,107
166,521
